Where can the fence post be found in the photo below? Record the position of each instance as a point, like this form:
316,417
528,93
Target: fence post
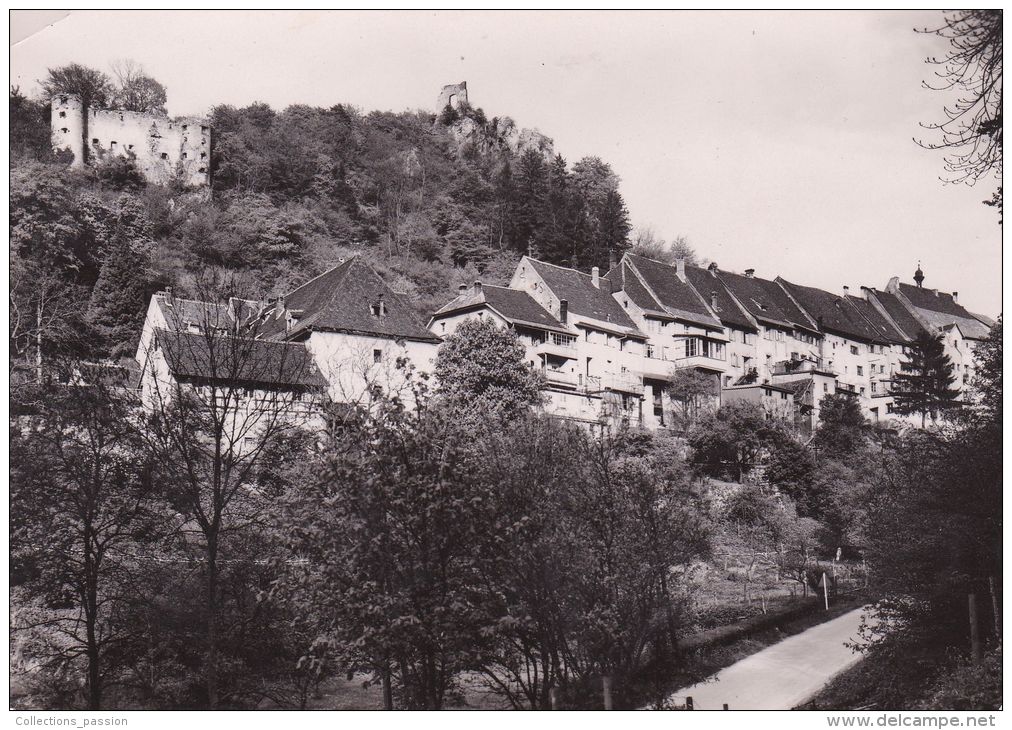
726,707
553,694
688,703
976,650
606,686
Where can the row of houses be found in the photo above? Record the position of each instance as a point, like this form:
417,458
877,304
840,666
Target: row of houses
609,345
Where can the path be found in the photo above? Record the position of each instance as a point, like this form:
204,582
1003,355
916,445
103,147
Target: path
784,675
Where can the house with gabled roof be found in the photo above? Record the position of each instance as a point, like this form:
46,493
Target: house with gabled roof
610,347
359,331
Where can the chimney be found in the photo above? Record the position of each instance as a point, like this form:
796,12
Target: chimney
595,277
750,273
279,306
563,310
712,268
680,268
477,286
846,291
713,300
461,289
955,297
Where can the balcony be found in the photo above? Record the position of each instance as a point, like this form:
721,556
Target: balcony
559,377
702,362
793,367
657,368
623,383
557,347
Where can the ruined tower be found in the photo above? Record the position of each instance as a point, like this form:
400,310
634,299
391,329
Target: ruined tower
67,124
452,94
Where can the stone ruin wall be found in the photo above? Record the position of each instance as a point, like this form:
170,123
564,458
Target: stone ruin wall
160,146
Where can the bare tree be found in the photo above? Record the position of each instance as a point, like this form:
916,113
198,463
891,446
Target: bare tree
221,397
971,132
137,91
79,507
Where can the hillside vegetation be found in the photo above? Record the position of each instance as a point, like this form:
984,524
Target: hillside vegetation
430,201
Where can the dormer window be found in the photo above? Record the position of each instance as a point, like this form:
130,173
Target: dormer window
378,309
192,327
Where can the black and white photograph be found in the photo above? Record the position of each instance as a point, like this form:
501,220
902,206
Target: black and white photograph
571,360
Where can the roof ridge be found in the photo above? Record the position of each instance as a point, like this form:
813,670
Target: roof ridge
328,271
557,266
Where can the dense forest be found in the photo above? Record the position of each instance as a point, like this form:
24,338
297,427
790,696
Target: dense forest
429,200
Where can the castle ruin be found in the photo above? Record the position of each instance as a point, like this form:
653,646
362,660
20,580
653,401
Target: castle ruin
161,147
452,94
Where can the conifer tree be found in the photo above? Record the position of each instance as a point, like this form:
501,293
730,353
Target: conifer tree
924,384
117,303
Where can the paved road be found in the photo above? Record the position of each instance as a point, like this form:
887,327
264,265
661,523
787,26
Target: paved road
784,675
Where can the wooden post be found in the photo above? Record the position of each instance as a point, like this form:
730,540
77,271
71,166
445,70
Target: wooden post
688,703
388,694
553,695
994,609
725,706
606,686
976,650
825,589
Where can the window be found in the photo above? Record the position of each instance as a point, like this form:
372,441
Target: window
783,396
860,370
94,140
184,154
825,387
203,155
874,387
853,349
889,407
165,155
65,130
63,115
442,326
112,145
130,146
184,127
377,355
862,392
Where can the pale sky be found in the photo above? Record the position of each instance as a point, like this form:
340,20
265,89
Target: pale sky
779,141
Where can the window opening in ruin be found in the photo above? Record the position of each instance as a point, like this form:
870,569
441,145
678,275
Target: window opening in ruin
203,155
184,155
165,155
65,130
184,127
63,115
112,145
203,169
63,100
203,129
94,140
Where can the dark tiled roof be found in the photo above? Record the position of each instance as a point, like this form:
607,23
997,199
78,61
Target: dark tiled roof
625,280
678,298
730,314
584,298
341,299
180,312
875,319
836,314
514,305
239,360
765,300
942,309
907,323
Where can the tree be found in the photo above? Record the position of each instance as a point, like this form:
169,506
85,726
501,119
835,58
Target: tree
480,370
734,438
30,133
209,431
119,298
924,383
136,92
648,244
971,133
695,390
842,427
80,508
387,538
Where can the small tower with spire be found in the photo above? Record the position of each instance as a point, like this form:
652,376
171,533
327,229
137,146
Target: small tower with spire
919,276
